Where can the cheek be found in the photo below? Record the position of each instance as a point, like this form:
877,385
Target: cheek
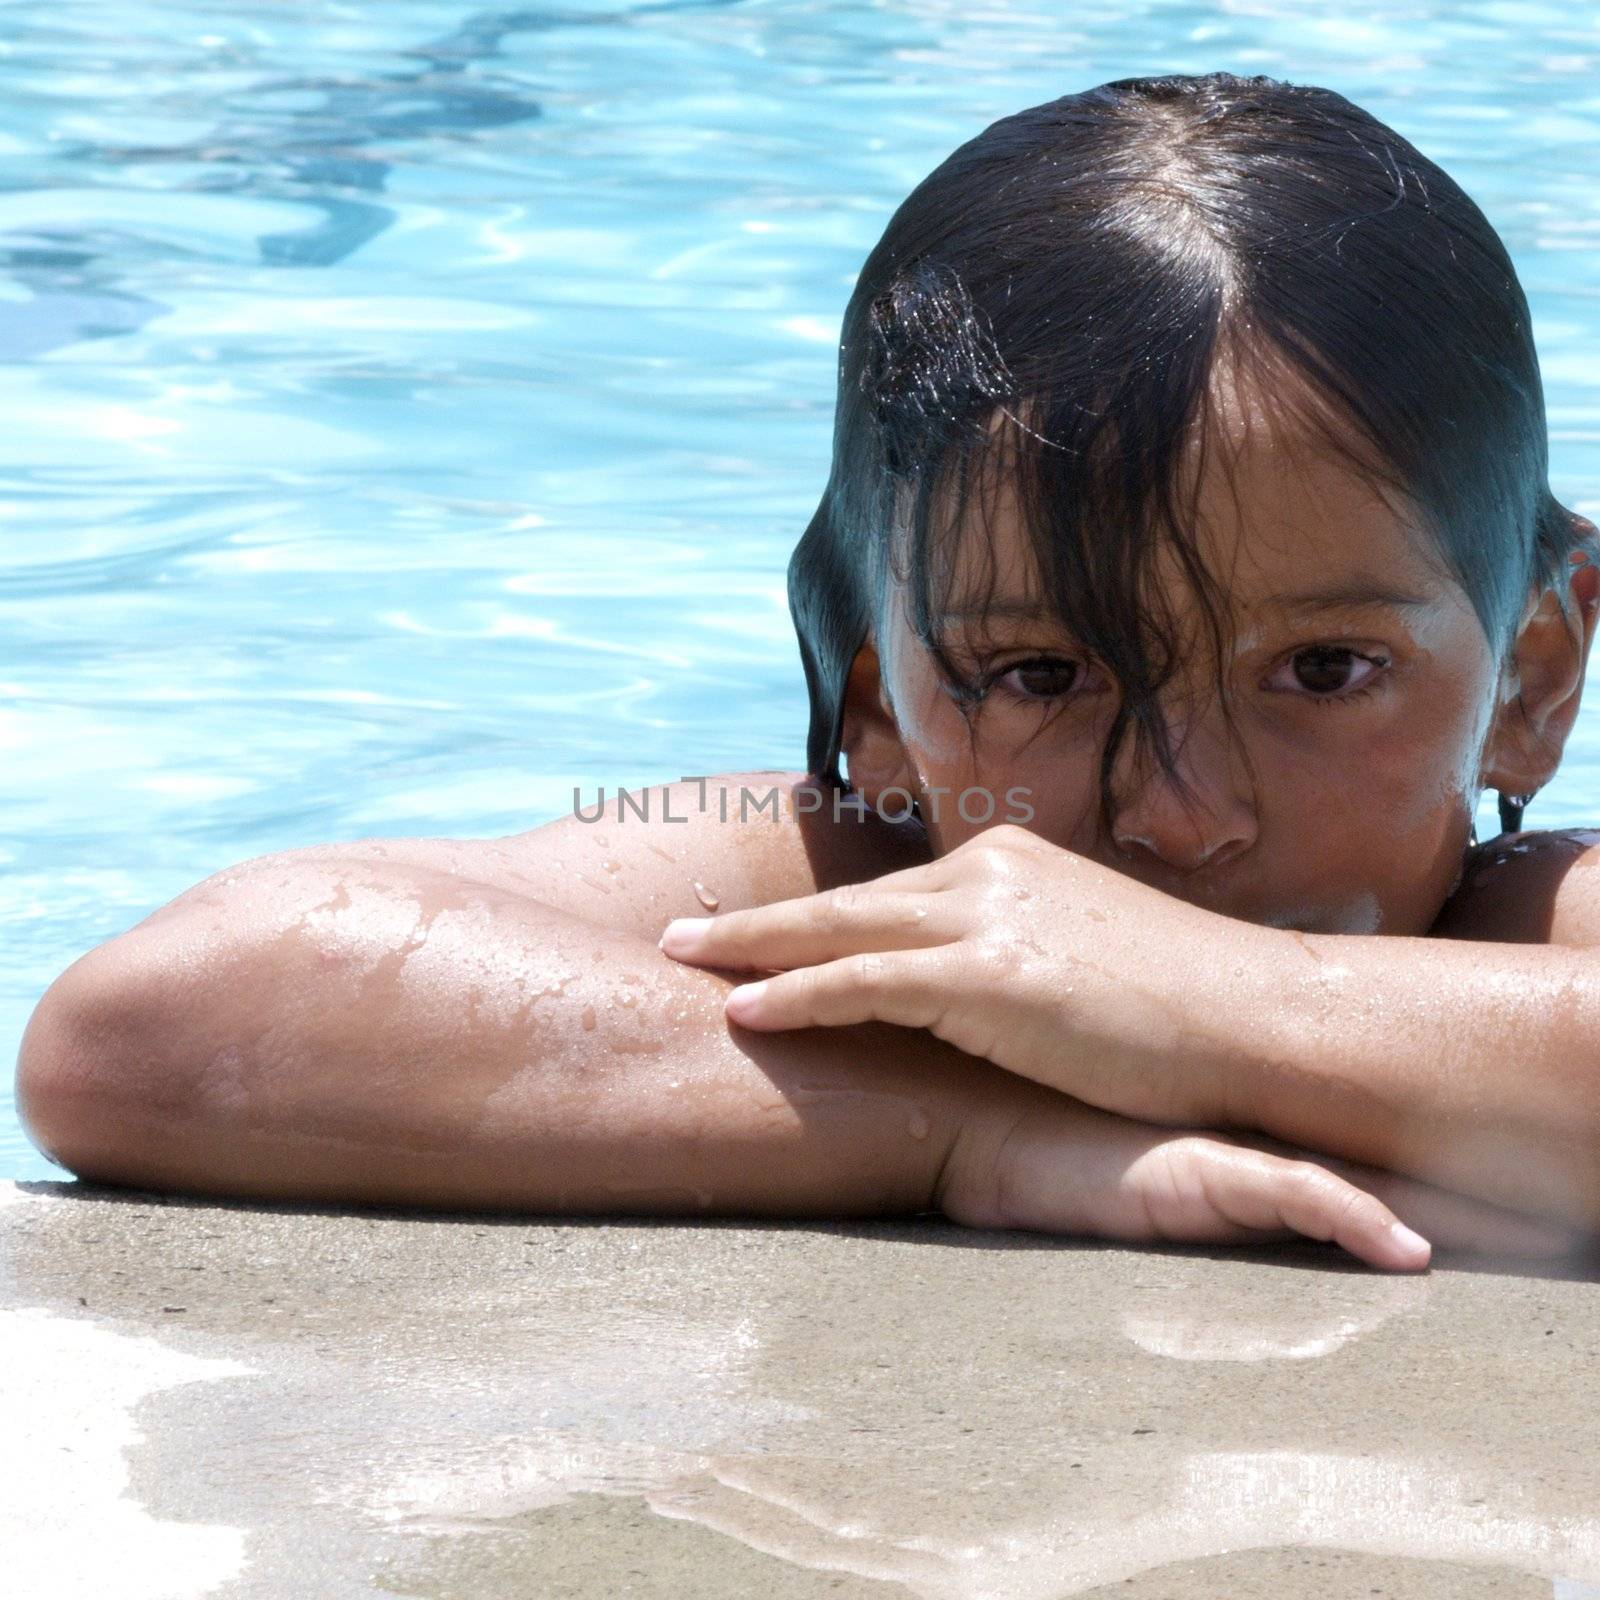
1376,796
1408,765
1360,912
1429,772
1383,831
969,785
1449,714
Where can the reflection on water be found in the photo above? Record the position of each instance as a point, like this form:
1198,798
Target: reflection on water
1117,1502
1074,1537
410,410
1123,1508
1254,1321
1212,1504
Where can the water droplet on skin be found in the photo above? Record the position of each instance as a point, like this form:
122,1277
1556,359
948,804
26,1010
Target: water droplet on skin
629,1001
588,1019
706,897
918,1126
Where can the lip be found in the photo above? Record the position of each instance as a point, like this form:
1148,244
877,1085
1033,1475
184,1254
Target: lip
1361,915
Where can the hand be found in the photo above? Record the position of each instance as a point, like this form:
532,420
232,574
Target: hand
1052,1165
1010,948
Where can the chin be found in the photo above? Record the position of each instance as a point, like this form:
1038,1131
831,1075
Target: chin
1359,914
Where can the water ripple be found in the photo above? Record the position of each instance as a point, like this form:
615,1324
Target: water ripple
411,409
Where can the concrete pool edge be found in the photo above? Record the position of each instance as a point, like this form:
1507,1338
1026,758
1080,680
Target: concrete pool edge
274,1400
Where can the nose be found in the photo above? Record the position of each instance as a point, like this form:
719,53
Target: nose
1155,824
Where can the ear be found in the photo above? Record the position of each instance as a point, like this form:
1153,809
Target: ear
870,737
1542,681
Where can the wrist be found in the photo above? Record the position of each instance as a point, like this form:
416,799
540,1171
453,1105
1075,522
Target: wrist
904,1099
978,1185
964,1188
1241,1040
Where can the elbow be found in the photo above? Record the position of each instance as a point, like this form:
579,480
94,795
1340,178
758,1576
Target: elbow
49,1080
72,1091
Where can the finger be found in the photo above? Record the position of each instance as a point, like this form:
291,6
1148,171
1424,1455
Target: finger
803,932
912,988
1256,1190
1451,1221
1461,1222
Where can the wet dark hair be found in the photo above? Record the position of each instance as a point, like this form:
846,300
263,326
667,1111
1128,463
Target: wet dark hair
1054,300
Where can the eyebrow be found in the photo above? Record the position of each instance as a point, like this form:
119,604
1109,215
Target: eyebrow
1352,594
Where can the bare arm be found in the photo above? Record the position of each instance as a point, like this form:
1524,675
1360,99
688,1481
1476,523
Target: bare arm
372,1033
1470,1061
1472,1065
366,1032
1471,1058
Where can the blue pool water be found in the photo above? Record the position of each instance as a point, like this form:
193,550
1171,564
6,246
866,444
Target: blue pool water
409,409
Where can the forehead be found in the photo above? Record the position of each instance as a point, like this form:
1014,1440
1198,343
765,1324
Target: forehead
1277,499
1282,491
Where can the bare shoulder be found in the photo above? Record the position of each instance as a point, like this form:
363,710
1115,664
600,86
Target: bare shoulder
720,843
633,859
641,857
1529,888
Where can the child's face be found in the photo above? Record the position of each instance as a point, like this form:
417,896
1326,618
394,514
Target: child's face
1353,811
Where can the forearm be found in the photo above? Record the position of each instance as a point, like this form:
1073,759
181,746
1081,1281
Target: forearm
379,1036
1473,1065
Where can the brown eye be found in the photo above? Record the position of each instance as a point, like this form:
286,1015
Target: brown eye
1325,671
1043,679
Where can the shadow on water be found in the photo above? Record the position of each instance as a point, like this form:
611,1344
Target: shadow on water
327,156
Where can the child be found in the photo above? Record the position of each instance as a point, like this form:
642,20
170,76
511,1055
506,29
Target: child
1187,569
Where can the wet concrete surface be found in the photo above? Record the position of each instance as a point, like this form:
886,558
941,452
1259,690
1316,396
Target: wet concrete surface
240,1401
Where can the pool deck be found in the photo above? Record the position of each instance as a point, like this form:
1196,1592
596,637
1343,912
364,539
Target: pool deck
232,1401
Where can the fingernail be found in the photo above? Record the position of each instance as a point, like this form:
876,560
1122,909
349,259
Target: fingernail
1412,1243
746,996
683,931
